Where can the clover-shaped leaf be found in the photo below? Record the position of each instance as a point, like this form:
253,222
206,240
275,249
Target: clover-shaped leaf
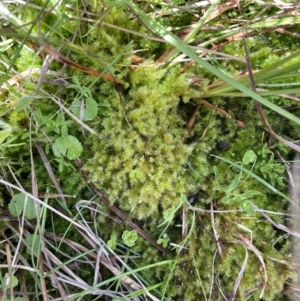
164,240
68,146
129,238
17,204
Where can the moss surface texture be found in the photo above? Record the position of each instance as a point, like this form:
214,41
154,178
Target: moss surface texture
165,176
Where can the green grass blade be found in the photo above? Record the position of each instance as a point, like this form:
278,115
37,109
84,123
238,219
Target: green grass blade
189,38
259,179
184,48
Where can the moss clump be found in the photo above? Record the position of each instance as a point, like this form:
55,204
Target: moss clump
142,165
144,155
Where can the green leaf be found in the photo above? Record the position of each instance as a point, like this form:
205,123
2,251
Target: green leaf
30,212
234,184
163,240
75,81
129,238
60,167
249,157
249,194
87,110
73,86
169,214
239,198
24,102
265,151
74,147
59,147
62,163
112,243
69,146
34,242
14,208
91,109
217,188
64,131
85,92
17,204
4,134
12,282
7,130
247,206
227,199
47,148
136,174
227,189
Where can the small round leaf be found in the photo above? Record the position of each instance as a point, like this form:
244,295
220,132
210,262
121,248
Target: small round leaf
69,146
129,238
249,157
